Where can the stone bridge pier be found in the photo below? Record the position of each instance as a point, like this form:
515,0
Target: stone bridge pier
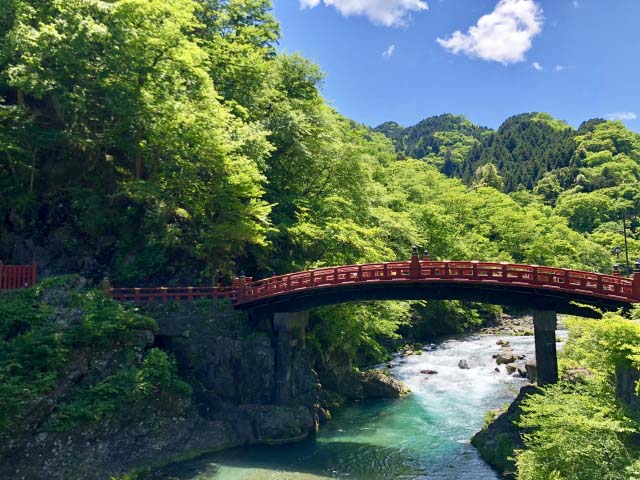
289,328
544,325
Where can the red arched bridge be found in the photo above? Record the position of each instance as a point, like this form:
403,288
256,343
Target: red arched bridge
283,300
537,287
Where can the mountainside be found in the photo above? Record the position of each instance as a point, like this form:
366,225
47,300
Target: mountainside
523,149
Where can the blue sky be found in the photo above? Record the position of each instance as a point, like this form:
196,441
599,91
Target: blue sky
402,60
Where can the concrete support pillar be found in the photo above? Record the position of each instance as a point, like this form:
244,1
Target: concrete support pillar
544,323
289,333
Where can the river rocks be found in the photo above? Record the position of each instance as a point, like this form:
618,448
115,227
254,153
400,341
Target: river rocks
376,384
531,368
516,369
506,356
428,372
354,385
272,425
498,441
507,324
463,364
503,343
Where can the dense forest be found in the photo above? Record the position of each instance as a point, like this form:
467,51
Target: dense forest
154,142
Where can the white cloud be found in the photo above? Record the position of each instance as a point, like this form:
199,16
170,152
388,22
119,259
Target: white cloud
621,116
559,68
537,66
576,4
390,13
391,49
503,35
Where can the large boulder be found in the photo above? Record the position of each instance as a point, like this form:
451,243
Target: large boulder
505,357
377,384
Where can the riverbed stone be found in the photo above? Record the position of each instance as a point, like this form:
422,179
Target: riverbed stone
376,384
463,364
531,368
505,358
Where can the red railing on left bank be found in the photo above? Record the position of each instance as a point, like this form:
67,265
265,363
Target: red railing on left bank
13,277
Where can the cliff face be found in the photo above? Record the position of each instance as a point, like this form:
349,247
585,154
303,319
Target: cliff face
229,366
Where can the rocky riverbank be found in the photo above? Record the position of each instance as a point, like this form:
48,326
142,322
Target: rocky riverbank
508,325
218,392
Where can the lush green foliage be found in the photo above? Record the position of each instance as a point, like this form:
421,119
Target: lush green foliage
356,330
43,329
576,436
155,142
126,388
577,431
591,174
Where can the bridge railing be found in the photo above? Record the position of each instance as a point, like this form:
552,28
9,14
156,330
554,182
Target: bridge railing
13,277
426,270
167,294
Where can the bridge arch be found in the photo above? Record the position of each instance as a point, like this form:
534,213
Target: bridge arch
283,301
501,283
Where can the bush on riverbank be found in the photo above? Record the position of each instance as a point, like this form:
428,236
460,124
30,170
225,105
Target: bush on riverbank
577,430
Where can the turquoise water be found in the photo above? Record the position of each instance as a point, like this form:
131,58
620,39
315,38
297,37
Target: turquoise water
422,436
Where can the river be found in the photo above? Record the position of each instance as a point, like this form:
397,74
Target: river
422,436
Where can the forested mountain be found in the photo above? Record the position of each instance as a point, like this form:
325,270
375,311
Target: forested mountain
592,173
445,139
523,148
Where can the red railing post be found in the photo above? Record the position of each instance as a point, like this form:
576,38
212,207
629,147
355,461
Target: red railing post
137,294
189,293
414,268
474,269
565,280
504,270
385,271
2,282
359,273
